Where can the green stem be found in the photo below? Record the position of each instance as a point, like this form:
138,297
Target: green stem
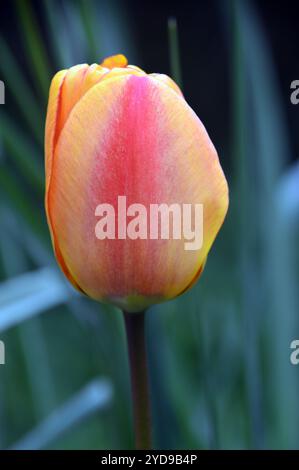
134,323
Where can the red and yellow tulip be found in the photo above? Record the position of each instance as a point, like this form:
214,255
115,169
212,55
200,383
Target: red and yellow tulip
114,130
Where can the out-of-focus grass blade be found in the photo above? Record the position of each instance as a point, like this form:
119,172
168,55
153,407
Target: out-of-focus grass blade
174,51
30,294
113,31
17,198
40,376
41,70
94,397
288,194
74,29
243,164
22,152
88,16
285,308
16,83
272,151
270,122
21,235
266,275
61,46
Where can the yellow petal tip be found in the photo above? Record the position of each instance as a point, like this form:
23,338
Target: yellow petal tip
118,60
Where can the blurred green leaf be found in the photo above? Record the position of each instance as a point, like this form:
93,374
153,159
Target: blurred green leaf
23,153
260,154
17,84
61,49
37,55
30,294
17,198
93,397
40,376
88,17
174,51
248,207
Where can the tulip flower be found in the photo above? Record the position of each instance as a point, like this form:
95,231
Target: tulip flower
113,132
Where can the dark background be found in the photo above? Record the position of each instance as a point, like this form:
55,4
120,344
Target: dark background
206,62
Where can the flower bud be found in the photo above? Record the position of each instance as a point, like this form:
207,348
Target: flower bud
130,173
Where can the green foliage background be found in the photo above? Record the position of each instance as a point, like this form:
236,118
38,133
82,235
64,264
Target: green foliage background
220,370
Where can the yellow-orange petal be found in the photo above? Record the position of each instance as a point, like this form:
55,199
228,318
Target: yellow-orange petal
66,88
78,80
52,117
118,60
119,72
167,81
134,67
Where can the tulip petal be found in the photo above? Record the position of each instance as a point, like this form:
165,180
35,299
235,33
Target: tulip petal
52,117
167,81
64,93
78,80
118,60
